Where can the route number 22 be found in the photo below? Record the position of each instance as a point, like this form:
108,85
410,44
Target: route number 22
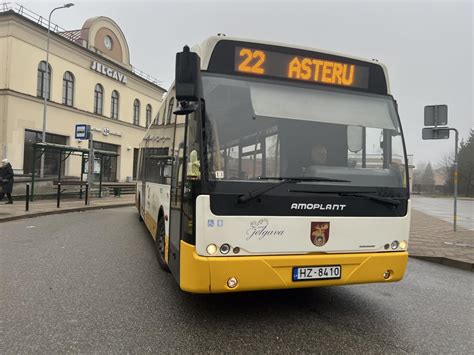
252,62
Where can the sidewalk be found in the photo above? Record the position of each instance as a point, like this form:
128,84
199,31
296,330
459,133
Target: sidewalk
433,239
45,207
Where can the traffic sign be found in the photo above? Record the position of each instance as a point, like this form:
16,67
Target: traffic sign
435,133
82,131
436,115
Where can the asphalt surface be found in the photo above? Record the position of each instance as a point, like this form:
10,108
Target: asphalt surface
442,208
89,282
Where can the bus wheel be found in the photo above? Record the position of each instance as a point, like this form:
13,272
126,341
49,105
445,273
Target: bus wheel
160,245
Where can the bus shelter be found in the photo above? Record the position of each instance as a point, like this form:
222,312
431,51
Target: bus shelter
64,152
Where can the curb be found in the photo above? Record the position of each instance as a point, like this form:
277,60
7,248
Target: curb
446,261
76,209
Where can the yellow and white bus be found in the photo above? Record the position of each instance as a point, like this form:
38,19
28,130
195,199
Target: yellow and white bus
272,166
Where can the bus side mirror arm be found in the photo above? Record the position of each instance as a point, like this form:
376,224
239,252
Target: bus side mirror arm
185,108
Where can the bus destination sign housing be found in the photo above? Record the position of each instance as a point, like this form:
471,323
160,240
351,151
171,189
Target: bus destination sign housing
295,64
310,69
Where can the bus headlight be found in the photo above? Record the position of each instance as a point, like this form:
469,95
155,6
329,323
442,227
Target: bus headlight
403,244
211,249
394,244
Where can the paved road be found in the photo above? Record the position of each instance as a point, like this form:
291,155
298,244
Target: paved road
443,208
84,282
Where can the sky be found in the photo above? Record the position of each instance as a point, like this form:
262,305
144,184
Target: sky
427,46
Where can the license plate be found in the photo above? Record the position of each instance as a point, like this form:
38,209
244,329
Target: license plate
317,273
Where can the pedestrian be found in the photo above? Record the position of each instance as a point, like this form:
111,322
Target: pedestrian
7,178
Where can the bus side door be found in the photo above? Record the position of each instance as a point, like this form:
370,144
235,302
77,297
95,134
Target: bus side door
178,151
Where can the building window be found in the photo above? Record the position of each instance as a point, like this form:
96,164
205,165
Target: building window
162,115
98,99
44,81
51,157
170,111
156,121
68,88
109,163
136,112
114,105
148,115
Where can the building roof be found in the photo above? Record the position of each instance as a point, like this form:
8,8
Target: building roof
74,37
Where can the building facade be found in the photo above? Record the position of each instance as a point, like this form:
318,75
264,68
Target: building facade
89,80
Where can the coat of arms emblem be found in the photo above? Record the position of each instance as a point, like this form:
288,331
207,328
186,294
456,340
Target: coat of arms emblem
319,233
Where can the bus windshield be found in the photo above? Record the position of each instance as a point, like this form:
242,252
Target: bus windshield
264,128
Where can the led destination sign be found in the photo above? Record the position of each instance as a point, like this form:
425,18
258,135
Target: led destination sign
305,68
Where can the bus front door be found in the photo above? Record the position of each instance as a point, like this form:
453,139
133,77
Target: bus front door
176,206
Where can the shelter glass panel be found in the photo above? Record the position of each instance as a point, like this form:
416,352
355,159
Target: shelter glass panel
51,160
109,163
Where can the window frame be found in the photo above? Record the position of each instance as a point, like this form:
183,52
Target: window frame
99,97
148,115
41,74
136,112
169,113
68,89
114,104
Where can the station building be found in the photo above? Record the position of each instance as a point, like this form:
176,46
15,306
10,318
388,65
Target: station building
90,81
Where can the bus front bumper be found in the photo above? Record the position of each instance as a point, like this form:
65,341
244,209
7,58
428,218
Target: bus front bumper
200,274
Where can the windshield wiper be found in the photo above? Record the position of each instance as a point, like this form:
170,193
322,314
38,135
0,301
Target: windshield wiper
300,179
386,200
284,180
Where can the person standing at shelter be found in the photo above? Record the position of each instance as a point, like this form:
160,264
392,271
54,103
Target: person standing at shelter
7,178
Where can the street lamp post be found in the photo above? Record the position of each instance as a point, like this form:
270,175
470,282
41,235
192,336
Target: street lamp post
48,73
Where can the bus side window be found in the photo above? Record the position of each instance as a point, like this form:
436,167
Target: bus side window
193,163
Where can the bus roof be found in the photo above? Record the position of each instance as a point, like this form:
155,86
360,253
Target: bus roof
206,48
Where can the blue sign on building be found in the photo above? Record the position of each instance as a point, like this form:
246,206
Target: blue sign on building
82,131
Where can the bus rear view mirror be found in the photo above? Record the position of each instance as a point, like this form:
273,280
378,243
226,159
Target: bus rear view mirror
188,76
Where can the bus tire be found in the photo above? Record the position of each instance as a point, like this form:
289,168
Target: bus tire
160,245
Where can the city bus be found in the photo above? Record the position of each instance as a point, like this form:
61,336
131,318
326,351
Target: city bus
273,166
